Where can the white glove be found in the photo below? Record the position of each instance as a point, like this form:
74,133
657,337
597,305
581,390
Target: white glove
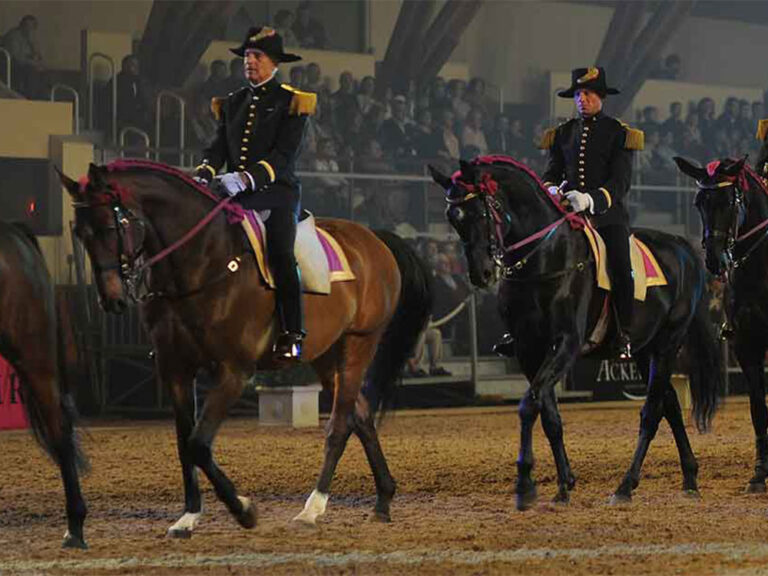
200,180
553,190
580,201
232,183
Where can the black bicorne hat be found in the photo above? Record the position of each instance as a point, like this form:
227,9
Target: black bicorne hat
268,41
589,78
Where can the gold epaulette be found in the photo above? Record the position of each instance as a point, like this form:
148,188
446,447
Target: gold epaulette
302,102
635,138
216,104
548,139
762,129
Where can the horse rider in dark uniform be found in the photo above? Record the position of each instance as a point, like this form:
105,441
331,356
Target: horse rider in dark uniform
259,138
590,161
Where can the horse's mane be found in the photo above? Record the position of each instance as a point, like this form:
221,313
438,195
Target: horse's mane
756,179
507,165
132,164
234,211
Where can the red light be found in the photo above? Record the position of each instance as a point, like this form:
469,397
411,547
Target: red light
31,207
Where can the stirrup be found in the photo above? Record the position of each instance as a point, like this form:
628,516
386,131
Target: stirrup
288,347
625,348
726,331
505,347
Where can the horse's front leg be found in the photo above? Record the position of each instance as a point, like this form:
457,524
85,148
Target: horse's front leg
228,387
558,359
750,352
178,379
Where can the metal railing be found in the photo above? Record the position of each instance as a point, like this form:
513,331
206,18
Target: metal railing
113,72
8,63
139,132
182,107
70,90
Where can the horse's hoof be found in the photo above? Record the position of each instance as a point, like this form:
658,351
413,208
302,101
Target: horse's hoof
526,500
304,519
247,517
562,496
379,516
756,487
180,533
692,493
618,499
76,542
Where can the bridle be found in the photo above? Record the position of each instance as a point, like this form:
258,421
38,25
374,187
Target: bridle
730,236
493,215
130,263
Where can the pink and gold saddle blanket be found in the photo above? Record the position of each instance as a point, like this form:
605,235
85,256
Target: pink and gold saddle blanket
320,258
645,268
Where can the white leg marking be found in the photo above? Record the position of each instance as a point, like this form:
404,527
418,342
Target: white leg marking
314,507
185,525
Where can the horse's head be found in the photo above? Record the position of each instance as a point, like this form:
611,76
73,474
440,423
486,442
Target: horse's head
110,232
720,201
474,210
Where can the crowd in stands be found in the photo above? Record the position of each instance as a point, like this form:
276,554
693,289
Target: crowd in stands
700,134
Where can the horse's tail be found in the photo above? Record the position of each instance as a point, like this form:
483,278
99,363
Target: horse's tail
404,329
705,366
55,438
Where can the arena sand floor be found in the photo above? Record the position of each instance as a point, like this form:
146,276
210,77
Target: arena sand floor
453,514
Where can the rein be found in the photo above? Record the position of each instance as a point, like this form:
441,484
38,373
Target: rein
486,190
133,276
740,184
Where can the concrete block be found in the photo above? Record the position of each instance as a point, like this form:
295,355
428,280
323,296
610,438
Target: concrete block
295,406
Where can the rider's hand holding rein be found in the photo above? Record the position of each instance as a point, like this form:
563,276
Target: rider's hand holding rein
580,201
233,183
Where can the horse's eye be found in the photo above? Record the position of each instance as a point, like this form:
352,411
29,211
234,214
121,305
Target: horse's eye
458,213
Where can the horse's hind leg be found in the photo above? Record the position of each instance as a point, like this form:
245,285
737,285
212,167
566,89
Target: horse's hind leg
365,429
343,368
750,351
658,371
553,428
51,415
674,416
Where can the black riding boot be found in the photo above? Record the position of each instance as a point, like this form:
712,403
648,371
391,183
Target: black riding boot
616,239
288,303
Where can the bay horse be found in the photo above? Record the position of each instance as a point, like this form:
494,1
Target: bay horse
31,341
205,306
548,297
732,201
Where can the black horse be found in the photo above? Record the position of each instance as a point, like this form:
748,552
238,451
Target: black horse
32,343
511,227
733,203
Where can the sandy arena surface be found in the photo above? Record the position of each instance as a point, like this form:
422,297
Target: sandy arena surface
453,514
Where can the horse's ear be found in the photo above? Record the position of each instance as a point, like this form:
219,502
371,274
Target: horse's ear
734,168
439,177
72,187
468,171
96,175
687,167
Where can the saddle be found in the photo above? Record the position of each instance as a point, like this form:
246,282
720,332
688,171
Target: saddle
646,273
645,268
320,258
